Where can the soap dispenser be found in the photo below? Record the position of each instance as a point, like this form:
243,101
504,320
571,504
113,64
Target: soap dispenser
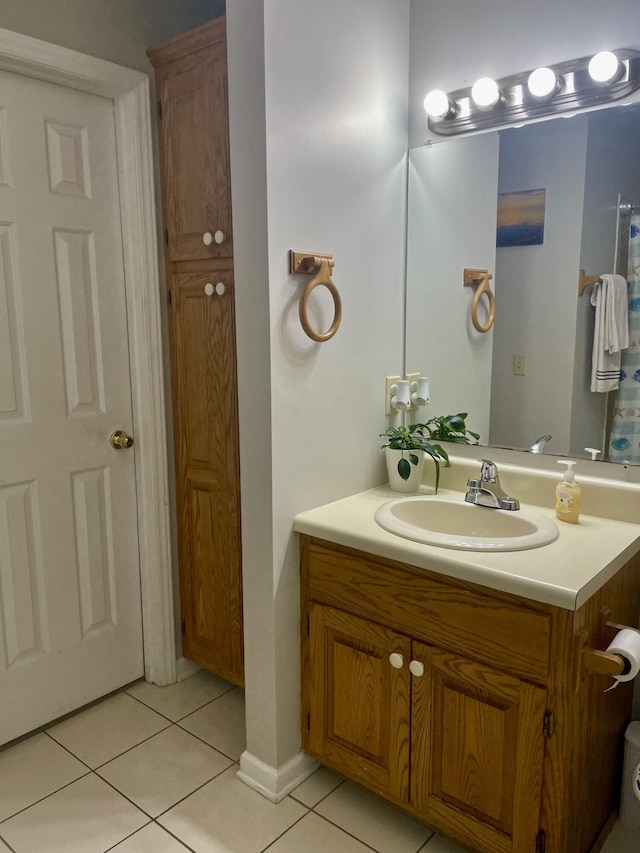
568,496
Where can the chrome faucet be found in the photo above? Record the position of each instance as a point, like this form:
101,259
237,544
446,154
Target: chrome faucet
487,490
539,443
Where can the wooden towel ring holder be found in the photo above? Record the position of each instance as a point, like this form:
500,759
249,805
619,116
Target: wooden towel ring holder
480,279
309,263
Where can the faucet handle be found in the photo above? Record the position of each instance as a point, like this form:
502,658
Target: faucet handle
489,472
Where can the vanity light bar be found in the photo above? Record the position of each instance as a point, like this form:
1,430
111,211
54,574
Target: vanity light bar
575,88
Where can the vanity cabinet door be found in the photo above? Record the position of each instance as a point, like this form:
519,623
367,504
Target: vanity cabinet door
477,751
357,700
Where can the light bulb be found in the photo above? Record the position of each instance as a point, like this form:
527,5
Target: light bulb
437,104
485,93
542,83
604,67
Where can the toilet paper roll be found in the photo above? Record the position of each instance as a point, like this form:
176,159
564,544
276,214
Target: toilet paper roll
626,643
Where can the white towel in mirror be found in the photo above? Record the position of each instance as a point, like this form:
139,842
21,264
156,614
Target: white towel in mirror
611,331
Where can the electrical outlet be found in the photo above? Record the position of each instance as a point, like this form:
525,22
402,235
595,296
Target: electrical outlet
393,380
412,377
519,365
390,380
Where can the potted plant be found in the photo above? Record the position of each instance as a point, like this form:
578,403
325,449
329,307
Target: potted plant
407,447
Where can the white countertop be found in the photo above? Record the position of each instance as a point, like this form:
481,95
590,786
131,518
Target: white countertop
565,573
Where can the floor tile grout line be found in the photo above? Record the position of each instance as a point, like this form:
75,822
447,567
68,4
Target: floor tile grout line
136,831
177,838
211,746
127,837
184,716
151,817
322,799
346,831
4,841
66,749
182,799
42,799
295,823
165,729
124,752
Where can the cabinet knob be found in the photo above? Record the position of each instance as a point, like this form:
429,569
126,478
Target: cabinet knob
207,238
396,660
219,237
416,668
220,288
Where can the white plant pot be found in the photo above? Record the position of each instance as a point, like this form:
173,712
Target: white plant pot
415,478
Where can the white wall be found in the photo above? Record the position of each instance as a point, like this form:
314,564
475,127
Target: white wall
117,30
324,88
537,288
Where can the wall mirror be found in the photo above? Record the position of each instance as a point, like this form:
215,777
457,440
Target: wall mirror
585,164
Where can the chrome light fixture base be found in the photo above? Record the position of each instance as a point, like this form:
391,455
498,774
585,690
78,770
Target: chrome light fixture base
576,90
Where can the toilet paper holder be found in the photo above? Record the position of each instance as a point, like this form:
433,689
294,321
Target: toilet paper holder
598,662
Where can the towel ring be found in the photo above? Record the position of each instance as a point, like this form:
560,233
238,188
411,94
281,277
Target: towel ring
305,262
481,278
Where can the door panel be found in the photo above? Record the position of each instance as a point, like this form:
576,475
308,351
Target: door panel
208,470
196,153
358,703
478,749
70,624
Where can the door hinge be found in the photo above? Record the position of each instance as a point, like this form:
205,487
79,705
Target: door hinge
183,627
159,106
307,624
549,722
541,841
166,237
169,297
309,722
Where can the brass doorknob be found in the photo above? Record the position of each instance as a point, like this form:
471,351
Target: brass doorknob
120,440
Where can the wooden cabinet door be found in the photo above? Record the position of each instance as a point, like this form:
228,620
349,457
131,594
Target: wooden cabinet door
195,148
357,703
477,752
207,470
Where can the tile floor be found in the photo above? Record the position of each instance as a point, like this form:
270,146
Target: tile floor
152,770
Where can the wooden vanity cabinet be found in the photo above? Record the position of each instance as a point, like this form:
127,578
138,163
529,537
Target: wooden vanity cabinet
191,78
465,706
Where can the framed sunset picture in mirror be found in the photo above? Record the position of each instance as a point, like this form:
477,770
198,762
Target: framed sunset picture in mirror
521,218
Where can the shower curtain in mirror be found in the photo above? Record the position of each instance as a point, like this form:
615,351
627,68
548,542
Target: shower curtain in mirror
624,441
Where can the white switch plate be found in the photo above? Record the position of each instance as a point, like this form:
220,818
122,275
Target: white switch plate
519,365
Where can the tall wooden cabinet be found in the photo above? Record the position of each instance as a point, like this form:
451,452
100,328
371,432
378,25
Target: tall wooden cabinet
191,79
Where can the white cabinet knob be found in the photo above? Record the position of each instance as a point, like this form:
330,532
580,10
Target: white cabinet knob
208,289
220,288
219,237
207,238
396,660
416,668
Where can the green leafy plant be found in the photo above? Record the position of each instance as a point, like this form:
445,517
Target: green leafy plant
451,428
421,437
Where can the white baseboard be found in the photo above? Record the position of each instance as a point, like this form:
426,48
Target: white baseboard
275,783
186,668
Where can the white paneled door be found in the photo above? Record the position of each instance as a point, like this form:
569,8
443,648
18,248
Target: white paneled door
70,609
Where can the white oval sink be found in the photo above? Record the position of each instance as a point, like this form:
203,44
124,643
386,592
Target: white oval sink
464,526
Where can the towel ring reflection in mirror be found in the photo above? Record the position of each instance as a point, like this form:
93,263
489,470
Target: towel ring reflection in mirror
480,280
321,265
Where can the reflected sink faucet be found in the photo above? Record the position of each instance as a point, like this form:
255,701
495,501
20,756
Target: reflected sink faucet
539,443
487,490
